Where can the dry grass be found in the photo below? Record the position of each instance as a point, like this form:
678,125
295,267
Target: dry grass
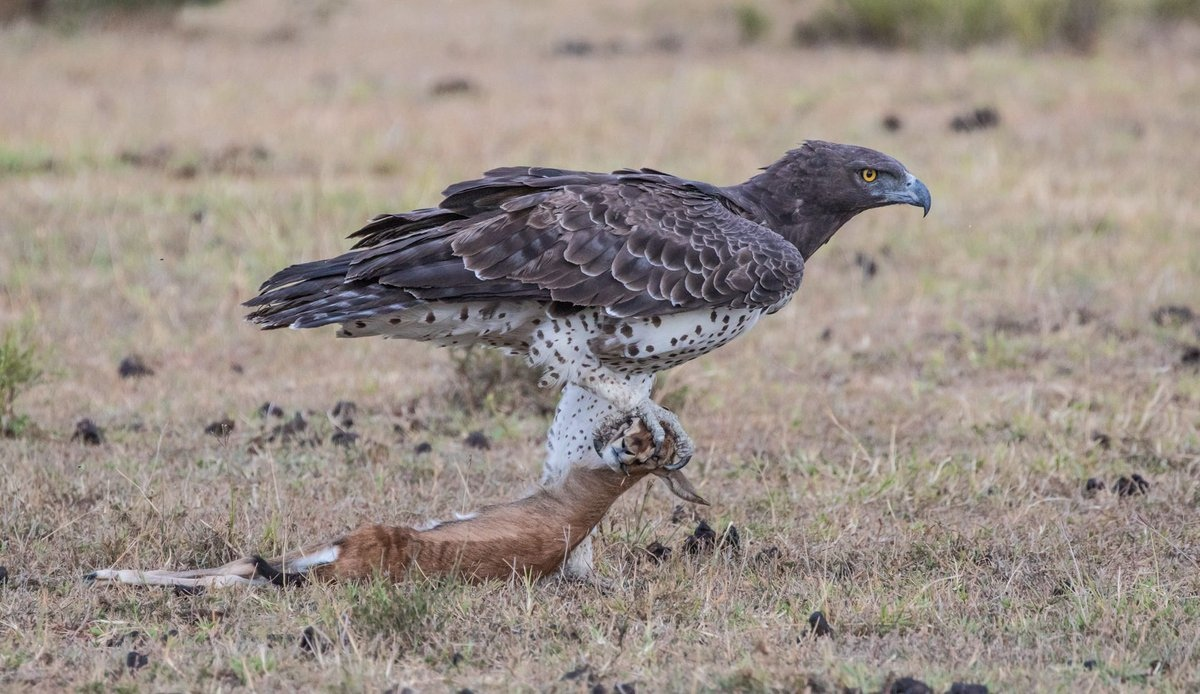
914,443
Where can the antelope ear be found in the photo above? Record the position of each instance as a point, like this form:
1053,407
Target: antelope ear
681,487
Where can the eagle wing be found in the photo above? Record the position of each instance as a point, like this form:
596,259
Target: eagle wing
637,243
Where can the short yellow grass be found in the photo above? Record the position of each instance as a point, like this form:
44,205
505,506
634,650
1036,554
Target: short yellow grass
914,444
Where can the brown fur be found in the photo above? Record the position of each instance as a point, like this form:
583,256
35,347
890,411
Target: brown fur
531,536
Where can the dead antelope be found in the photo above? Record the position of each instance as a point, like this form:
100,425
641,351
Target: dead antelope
531,536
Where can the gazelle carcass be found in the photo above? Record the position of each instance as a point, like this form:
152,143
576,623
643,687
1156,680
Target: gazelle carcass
531,536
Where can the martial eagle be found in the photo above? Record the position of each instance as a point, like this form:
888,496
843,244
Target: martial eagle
602,280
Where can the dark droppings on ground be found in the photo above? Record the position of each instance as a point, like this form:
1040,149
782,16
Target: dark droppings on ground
658,552
1172,316
133,366
967,688
449,86
88,433
868,265
1093,486
819,626
423,448
768,556
1190,356
907,685
980,118
344,438
220,428
3,575
477,439
683,514
312,642
892,123
136,661
270,409
1132,485
702,539
344,412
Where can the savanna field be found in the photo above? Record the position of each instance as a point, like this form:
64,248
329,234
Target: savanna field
971,441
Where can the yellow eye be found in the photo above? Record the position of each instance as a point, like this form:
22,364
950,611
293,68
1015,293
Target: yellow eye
868,175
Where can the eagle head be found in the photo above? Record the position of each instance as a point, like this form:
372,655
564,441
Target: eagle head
851,179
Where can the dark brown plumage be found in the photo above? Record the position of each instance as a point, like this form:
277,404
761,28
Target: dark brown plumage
634,242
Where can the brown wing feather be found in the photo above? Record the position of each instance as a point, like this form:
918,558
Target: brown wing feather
616,243
637,243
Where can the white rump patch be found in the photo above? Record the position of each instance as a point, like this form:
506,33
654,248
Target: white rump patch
328,555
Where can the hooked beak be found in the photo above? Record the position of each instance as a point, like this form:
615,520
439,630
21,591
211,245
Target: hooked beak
915,193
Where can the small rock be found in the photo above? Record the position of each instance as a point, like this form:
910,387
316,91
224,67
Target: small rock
1132,486
1093,487
703,538
270,409
965,688
658,552
88,433
132,366
136,661
423,448
477,439
1190,356
818,626
1172,316
892,123
908,685
1090,665
220,428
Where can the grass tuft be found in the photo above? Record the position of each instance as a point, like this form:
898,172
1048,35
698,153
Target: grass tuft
893,24
20,370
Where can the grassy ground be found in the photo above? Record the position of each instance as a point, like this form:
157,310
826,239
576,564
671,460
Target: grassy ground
912,436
